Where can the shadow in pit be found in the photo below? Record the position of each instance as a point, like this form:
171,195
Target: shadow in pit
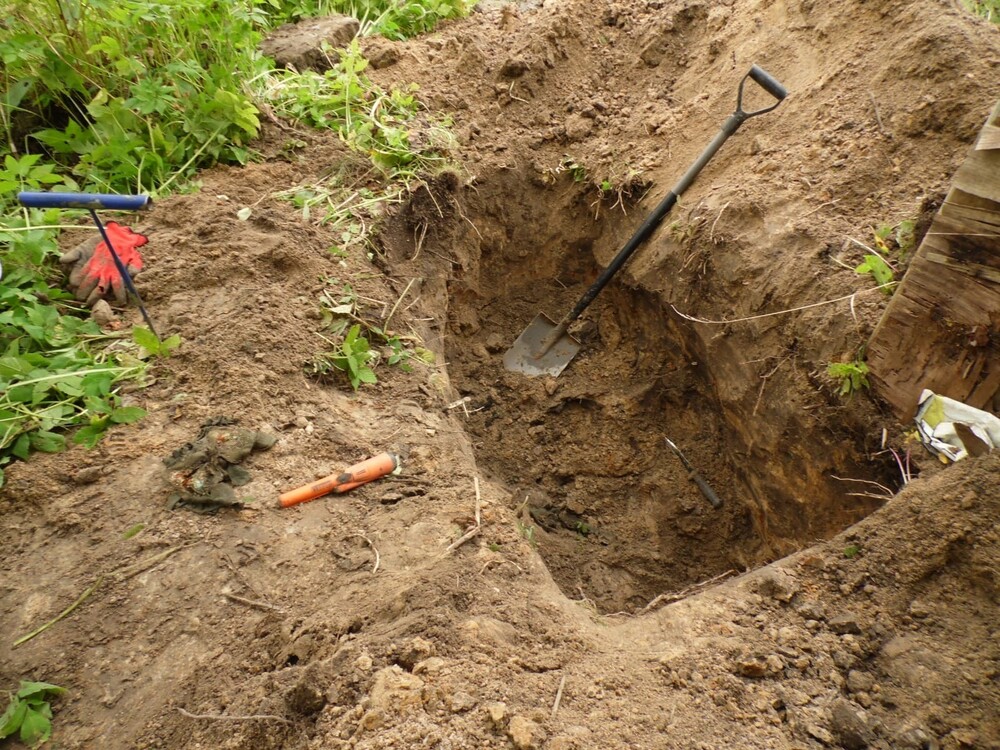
612,511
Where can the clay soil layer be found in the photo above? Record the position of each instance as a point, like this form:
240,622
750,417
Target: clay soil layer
602,602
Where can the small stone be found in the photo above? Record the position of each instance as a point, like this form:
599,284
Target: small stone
371,720
810,609
102,313
416,650
497,712
965,737
919,609
431,665
859,681
914,738
788,635
774,664
818,733
578,127
846,622
364,663
849,727
87,475
305,699
754,668
778,584
300,45
461,702
514,68
524,733
301,422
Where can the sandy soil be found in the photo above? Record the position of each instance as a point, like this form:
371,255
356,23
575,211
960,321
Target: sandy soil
602,603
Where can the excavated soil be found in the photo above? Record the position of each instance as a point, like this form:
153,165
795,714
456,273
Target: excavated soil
602,603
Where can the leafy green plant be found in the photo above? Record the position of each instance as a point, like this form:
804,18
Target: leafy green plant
876,266
850,377
527,533
340,311
353,356
29,712
851,551
988,9
393,19
57,370
388,126
900,239
153,346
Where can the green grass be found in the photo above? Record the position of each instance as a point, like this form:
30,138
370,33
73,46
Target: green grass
133,96
988,9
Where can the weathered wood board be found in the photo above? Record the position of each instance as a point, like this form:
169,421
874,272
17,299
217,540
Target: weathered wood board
941,330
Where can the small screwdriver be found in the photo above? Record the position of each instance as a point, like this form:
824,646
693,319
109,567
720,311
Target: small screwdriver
707,491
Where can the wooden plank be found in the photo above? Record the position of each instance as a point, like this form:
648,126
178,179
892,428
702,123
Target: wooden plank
989,139
941,330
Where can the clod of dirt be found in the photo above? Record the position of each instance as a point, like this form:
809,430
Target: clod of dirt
102,314
849,727
206,471
300,45
524,733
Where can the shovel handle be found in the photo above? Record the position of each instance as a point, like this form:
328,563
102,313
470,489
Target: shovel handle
768,82
707,491
33,199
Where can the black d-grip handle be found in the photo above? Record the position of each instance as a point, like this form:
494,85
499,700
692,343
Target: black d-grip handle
768,82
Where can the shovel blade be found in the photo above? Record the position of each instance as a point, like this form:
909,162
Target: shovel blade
523,355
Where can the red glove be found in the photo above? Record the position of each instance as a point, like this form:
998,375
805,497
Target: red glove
94,272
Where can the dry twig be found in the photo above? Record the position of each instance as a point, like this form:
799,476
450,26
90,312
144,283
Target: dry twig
685,593
559,694
250,602
378,557
223,717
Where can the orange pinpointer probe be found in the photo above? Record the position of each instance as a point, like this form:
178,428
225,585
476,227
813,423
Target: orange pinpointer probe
354,476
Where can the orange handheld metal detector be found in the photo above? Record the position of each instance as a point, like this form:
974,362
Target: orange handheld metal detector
341,482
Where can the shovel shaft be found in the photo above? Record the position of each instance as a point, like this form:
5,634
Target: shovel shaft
36,199
517,360
649,226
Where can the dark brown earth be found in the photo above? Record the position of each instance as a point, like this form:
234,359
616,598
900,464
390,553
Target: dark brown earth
874,620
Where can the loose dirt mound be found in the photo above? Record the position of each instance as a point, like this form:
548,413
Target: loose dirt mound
347,623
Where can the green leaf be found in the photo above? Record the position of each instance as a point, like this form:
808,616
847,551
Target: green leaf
170,343
146,339
12,718
367,375
127,414
33,689
35,727
133,530
22,447
47,442
90,435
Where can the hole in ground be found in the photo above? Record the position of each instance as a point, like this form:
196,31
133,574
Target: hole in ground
612,511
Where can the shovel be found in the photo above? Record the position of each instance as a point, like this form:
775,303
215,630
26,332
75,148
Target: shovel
545,347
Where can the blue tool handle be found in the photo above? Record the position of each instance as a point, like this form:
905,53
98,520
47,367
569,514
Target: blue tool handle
85,200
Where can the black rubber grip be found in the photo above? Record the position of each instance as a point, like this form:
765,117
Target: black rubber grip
707,491
768,82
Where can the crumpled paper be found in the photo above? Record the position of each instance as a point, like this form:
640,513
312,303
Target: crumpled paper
953,430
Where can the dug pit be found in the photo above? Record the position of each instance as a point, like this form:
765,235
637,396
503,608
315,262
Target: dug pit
611,510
